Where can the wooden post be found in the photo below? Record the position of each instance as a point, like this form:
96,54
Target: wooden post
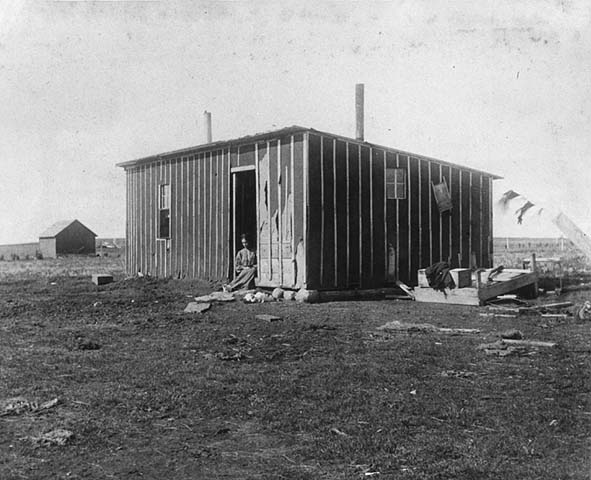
532,264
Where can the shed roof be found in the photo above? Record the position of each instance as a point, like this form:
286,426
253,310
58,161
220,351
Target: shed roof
280,132
60,226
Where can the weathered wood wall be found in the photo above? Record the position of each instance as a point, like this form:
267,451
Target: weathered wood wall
200,243
357,238
323,217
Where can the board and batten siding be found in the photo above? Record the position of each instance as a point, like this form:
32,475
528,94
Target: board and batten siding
199,217
200,243
357,238
323,217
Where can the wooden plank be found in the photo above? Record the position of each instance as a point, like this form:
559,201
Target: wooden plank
245,168
414,221
246,155
285,211
299,183
209,215
280,202
259,213
371,220
425,219
490,291
445,234
354,216
216,214
193,187
392,220
200,217
335,245
328,193
403,226
301,258
322,211
459,296
380,248
529,343
436,239
365,253
341,214
475,215
315,213
465,216
273,207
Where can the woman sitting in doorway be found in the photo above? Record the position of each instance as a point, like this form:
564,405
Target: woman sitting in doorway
245,266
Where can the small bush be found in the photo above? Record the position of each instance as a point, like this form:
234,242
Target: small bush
39,256
14,256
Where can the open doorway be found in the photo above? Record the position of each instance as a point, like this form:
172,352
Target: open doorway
244,210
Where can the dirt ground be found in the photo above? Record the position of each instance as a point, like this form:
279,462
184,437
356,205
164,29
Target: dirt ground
147,391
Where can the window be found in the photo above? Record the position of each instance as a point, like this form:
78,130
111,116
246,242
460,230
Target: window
395,183
164,211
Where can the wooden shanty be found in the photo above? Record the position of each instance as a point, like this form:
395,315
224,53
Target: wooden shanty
67,237
326,212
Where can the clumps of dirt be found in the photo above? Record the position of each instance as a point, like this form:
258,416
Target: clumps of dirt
87,345
20,405
59,436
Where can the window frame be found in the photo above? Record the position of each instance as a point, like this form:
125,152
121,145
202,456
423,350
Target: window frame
164,201
399,182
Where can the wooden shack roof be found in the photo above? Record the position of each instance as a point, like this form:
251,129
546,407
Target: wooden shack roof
281,132
60,226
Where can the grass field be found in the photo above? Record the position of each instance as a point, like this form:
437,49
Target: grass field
151,392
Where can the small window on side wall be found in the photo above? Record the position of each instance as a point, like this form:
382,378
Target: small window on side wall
164,211
395,183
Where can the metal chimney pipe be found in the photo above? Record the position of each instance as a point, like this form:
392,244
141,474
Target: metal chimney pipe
359,111
207,126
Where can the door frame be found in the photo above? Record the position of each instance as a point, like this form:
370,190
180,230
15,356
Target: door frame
233,172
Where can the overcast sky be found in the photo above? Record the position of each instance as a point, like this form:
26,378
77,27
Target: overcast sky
83,85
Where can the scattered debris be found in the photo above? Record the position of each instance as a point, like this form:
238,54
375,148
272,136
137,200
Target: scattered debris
289,295
277,293
258,297
263,297
307,296
230,357
558,316
336,431
584,311
216,297
87,345
268,318
497,315
512,334
197,307
18,405
457,374
413,392
506,347
59,436
405,288
530,343
425,327
322,326
501,349
101,278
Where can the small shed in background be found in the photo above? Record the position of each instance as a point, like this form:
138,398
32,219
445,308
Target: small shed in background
67,237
